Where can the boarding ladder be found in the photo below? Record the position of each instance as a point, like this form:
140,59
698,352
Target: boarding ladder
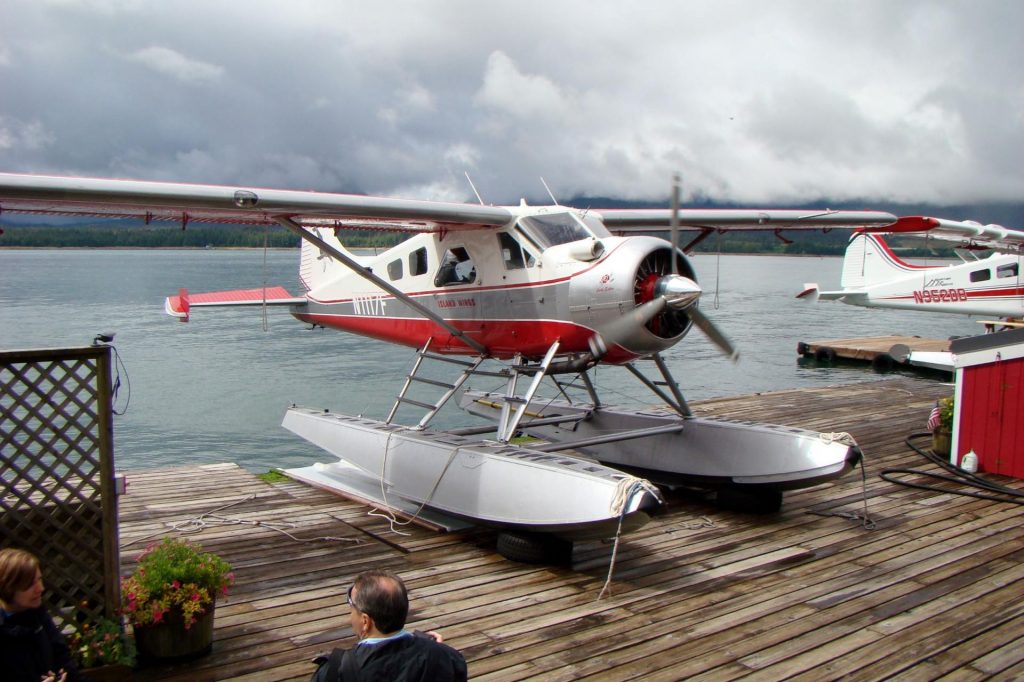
509,420
415,377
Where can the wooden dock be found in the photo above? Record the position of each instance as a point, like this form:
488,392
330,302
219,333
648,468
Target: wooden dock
934,590
875,350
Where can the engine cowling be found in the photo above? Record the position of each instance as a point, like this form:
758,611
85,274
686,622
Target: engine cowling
619,297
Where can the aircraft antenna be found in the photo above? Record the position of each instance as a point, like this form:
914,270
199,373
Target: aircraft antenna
470,181
550,194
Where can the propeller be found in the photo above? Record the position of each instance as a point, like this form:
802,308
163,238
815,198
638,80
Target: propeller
684,293
674,221
618,332
713,333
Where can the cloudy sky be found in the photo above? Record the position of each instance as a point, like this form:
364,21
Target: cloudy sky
751,101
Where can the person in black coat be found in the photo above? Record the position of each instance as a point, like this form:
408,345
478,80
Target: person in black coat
378,607
32,649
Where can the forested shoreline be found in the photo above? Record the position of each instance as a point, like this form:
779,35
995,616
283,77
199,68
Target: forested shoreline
110,236
168,237
76,233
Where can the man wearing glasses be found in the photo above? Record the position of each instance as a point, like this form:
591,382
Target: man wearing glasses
378,607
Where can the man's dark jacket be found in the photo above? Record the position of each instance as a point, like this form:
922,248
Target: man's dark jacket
411,658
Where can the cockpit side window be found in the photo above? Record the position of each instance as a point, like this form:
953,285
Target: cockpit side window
456,268
1008,270
513,254
418,262
554,229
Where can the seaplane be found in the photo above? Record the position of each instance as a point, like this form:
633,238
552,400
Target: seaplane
876,277
529,298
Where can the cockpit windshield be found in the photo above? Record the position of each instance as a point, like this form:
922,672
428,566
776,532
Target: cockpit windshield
557,228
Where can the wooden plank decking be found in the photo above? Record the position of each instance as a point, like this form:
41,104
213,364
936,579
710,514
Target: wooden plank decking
699,593
867,349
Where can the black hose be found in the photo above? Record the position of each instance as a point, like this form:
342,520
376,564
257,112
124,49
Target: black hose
956,475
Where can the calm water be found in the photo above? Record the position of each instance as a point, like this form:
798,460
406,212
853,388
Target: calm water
214,390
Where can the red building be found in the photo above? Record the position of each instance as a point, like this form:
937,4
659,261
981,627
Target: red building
989,413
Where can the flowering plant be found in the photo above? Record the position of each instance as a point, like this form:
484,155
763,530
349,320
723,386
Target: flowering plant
174,575
941,417
101,642
946,413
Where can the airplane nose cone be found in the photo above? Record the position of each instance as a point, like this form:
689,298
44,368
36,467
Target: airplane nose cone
679,292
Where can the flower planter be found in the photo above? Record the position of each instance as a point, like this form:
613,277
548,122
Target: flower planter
109,673
169,641
942,441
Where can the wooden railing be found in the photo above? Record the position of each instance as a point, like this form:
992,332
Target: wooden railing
58,497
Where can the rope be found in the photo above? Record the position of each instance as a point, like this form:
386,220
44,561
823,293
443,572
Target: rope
865,519
211,518
390,515
702,522
116,386
266,228
840,437
624,492
996,492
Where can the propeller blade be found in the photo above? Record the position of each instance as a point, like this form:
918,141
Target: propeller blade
713,333
674,222
618,332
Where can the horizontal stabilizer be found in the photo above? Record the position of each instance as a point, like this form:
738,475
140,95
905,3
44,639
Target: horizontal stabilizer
180,305
812,294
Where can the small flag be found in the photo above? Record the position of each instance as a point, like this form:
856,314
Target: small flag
934,418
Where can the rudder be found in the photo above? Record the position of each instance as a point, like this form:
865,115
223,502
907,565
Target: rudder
869,261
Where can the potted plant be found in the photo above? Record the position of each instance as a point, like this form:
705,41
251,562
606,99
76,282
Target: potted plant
101,649
941,422
170,597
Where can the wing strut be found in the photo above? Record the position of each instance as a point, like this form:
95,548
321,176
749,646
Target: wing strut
366,274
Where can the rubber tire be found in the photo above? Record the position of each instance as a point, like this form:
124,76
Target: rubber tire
825,354
534,548
883,363
751,500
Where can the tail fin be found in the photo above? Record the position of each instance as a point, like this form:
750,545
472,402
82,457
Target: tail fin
316,267
869,261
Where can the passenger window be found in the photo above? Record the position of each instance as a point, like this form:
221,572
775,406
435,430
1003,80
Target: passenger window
513,254
456,268
981,275
395,269
1009,270
418,262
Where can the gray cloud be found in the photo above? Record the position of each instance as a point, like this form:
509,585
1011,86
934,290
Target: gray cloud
752,102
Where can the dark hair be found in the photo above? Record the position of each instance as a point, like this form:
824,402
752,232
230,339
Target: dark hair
18,570
382,596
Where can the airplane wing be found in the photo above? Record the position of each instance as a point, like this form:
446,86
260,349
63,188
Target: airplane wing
632,220
965,232
179,306
184,203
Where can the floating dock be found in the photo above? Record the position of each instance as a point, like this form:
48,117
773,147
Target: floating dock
936,588
883,353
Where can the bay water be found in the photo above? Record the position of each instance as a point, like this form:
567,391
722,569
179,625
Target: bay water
215,389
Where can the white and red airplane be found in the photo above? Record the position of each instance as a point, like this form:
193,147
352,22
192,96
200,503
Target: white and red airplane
875,277
544,292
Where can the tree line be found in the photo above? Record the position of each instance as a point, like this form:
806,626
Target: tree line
194,236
